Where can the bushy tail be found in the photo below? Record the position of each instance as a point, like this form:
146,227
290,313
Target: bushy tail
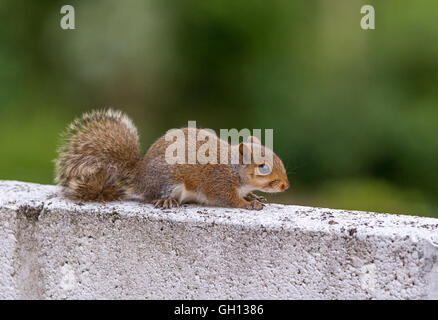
98,157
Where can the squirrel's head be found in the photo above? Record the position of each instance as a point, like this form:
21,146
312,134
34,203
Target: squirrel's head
265,170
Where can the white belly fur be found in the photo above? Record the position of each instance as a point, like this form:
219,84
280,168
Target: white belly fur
183,195
244,190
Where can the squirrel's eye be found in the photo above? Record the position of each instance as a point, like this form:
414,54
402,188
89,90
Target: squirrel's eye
264,169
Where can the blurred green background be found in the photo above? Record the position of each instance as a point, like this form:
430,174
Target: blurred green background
354,112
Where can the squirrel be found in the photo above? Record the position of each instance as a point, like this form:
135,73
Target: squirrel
99,160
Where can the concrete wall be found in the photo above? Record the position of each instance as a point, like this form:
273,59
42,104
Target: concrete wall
56,249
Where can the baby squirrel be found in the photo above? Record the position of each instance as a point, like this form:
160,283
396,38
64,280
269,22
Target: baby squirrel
99,161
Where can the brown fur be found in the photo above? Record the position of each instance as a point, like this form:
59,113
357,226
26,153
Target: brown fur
219,183
98,158
99,161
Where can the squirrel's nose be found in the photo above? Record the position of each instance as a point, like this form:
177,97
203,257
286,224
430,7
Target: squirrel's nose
284,186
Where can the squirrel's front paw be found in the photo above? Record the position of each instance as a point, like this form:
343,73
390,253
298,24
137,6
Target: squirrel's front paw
166,203
252,196
255,205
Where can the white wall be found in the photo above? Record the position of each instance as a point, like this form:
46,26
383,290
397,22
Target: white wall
55,249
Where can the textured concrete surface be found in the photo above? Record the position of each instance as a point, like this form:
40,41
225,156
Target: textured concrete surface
52,248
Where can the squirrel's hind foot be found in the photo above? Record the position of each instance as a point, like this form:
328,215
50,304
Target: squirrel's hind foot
166,203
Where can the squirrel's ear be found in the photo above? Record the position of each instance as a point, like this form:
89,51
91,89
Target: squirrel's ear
254,140
246,152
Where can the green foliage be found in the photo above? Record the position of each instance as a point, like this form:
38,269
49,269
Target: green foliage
354,112
373,195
